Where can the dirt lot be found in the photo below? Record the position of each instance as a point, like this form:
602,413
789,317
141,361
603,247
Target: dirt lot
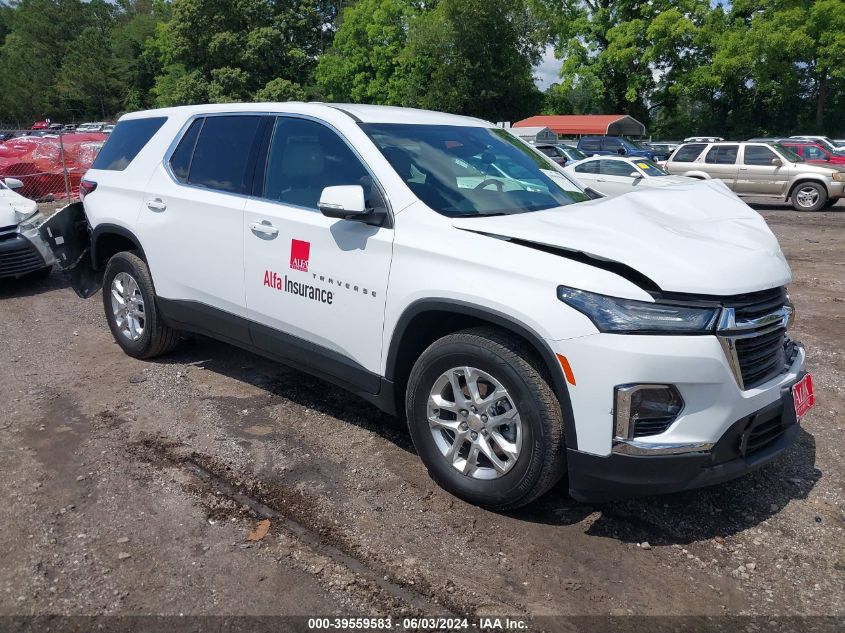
131,487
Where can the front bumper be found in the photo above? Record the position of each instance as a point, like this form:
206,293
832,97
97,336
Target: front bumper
836,190
748,444
23,253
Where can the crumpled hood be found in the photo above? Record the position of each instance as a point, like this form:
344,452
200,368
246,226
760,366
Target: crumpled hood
695,238
9,201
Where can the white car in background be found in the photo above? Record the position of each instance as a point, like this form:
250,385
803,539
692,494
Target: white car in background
22,251
614,176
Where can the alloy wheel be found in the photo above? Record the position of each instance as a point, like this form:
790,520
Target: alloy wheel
807,197
127,304
475,423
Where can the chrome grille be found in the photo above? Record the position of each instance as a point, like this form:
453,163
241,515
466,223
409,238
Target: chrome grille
757,304
761,357
752,331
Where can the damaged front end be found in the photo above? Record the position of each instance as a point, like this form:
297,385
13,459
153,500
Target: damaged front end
68,235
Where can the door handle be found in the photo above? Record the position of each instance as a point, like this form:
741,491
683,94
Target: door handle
600,180
156,204
264,230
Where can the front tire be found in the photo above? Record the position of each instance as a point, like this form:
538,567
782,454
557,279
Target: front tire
484,419
809,196
130,307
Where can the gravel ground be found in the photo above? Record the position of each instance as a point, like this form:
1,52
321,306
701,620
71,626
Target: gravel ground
131,487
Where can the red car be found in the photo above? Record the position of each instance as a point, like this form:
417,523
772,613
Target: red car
813,152
41,125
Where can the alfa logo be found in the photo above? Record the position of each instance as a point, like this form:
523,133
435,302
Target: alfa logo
299,253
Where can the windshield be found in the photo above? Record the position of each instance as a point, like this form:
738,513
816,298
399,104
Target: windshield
650,168
471,171
573,154
628,143
788,154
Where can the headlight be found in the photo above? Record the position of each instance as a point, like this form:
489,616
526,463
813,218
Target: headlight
610,314
839,176
21,215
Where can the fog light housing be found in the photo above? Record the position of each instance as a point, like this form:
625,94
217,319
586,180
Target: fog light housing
642,410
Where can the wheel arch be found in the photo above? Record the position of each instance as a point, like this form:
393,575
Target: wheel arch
427,320
805,179
108,240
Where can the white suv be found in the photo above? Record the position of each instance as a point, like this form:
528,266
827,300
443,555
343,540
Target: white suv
441,268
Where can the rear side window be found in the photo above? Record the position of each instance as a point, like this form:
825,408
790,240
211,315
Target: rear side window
590,167
590,144
616,168
180,162
611,144
222,153
688,153
758,155
811,152
722,155
126,140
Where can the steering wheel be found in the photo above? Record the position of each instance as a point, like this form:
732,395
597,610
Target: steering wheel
490,181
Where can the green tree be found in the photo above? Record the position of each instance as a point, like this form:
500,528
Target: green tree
87,80
361,65
468,57
279,89
228,51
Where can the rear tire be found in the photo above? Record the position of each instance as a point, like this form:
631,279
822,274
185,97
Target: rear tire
808,196
504,400
130,307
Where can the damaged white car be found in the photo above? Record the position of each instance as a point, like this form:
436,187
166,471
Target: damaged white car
22,251
444,270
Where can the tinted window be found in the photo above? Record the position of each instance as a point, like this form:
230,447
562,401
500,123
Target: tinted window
305,158
758,155
611,144
590,167
811,152
221,155
548,151
688,153
616,168
722,155
590,144
125,141
180,162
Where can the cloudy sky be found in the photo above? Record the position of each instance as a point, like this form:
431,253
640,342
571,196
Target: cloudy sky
548,71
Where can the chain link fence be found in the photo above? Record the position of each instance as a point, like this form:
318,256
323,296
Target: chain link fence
49,163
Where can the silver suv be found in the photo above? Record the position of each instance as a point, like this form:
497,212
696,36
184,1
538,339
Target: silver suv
761,169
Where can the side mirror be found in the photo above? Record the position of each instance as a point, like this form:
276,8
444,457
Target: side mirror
621,151
777,162
13,183
345,202
592,194
635,174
